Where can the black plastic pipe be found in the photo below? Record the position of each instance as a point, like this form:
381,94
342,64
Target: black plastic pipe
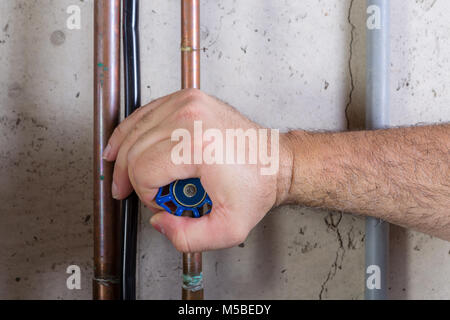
130,206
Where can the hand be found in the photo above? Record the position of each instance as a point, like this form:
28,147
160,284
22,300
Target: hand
141,146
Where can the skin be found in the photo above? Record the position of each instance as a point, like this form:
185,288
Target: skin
399,175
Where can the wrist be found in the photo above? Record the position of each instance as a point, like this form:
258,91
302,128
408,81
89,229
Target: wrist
286,167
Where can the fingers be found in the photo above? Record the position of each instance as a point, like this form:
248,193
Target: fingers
150,112
122,186
157,124
209,232
153,168
143,159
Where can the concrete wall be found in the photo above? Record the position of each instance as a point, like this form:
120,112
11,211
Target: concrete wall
285,64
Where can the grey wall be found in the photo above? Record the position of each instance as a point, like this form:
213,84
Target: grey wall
285,64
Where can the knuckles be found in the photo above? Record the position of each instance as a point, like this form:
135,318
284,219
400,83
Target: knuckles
117,133
132,156
192,93
190,111
192,103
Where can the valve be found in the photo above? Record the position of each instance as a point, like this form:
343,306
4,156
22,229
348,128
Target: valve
184,198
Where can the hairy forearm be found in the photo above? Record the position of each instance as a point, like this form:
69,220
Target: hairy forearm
399,175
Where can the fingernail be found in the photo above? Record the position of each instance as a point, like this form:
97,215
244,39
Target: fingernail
106,152
156,225
114,191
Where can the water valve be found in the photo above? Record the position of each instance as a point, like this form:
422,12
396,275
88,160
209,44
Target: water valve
184,198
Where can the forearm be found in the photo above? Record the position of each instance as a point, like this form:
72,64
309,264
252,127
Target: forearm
399,175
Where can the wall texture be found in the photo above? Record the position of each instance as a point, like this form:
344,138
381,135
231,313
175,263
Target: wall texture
285,64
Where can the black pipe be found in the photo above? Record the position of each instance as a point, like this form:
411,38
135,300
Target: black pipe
130,206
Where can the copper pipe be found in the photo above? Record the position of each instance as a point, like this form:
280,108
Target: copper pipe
190,44
192,277
190,78
106,116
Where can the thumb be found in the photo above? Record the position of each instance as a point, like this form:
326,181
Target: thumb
209,232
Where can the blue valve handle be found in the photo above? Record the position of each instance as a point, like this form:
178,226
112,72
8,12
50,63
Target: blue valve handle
182,197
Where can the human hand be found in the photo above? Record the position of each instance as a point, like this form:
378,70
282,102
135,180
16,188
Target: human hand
143,150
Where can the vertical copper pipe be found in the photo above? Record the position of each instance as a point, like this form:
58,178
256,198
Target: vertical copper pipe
190,44
106,117
190,78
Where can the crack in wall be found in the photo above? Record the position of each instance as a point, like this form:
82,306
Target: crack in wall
333,225
352,82
329,220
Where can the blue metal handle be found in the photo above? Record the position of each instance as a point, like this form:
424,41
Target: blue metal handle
184,198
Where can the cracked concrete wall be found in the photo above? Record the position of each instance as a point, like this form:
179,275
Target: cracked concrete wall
285,64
